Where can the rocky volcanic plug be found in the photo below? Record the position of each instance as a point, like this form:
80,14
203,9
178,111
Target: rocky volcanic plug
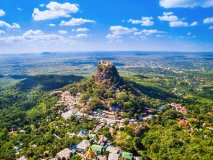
107,73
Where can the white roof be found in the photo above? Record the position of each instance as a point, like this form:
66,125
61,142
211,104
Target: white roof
64,153
113,156
67,114
22,158
83,145
112,149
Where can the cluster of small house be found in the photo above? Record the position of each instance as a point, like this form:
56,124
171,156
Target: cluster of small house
105,118
66,99
108,118
95,151
179,108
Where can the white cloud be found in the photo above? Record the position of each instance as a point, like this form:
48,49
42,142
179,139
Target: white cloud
208,20
145,21
79,36
185,3
11,39
178,24
76,22
62,32
148,32
5,24
118,31
211,27
31,33
167,13
15,25
51,24
174,21
113,36
135,21
151,31
137,33
189,36
38,41
42,5
168,16
194,24
2,32
2,13
82,30
160,35
34,36
143,37
19,9
114,40
55,10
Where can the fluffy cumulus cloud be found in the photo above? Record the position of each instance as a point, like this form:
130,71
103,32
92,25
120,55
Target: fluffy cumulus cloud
186,3
31,33
31,36
151,31
194,24
168,16
145,21
5,24
79,36
76,22
19,9
178,24
55,10
52,25
118,31
174,21
42,5
82,30
2,32
62,32
148,32
208,20
2,13
211,27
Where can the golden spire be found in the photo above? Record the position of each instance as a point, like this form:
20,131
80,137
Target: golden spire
90,155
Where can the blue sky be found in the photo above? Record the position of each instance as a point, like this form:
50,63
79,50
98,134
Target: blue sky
98,25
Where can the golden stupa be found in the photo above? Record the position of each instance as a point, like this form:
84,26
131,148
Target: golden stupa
90,155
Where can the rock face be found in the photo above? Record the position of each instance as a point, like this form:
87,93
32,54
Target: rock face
107,73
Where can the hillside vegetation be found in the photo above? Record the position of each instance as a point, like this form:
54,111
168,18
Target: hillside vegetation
30,121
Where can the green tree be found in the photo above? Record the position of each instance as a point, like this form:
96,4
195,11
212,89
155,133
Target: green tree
76,158
122,96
